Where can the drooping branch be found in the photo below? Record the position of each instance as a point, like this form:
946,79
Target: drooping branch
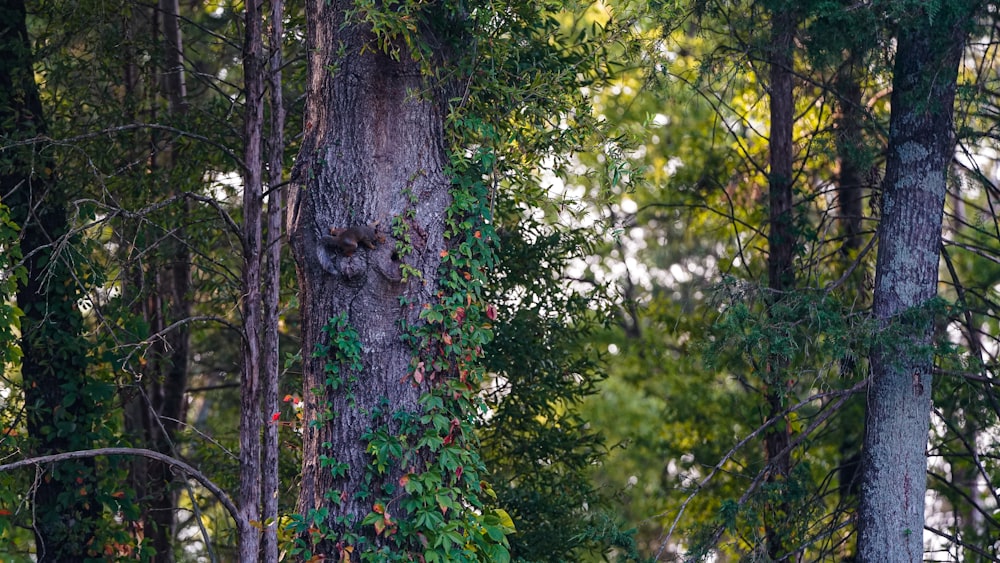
163,458
842,396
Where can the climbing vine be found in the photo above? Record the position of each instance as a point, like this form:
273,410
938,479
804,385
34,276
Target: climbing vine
500,127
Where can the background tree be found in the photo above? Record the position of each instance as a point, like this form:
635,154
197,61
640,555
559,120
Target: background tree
65,404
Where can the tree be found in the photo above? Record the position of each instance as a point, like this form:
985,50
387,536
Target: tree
167,308
64,402
781,245
929,47
387,469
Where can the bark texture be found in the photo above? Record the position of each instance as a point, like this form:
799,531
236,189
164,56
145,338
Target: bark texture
897,420
373,149
271,367
251,419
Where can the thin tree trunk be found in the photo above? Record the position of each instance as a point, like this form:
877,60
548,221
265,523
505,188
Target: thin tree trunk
851,180
373,149
781,249
897,420
272,287
852,174
251,421
174,284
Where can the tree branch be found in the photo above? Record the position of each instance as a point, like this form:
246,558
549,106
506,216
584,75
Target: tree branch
172,462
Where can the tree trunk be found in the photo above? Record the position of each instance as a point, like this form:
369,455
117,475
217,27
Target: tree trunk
251,419
66,514
851,173
921,145
271,367
373,150
781,251
173,285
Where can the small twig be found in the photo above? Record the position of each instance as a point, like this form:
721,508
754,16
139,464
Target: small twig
854,265
979,551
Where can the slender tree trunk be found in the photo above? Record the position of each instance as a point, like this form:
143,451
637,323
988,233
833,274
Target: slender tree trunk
272,286
851,181
173,283
66,514
175,85
852,172
781,248
373,149
897,420
251,419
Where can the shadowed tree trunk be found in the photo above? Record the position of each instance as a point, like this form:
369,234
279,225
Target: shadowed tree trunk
373,149
61,413
781,242
852,173
159,282
897,419
174,285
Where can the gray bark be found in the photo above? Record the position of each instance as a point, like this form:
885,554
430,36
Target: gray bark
271,367
373,135
251,419
921,145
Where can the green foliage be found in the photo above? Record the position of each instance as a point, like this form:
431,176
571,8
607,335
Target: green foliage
558,415
750,331
12,273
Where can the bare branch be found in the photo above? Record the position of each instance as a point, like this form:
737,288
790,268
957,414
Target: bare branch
123,129
163,458
844,394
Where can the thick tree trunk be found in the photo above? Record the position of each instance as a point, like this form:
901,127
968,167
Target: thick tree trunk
54,354
373,150
897,420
